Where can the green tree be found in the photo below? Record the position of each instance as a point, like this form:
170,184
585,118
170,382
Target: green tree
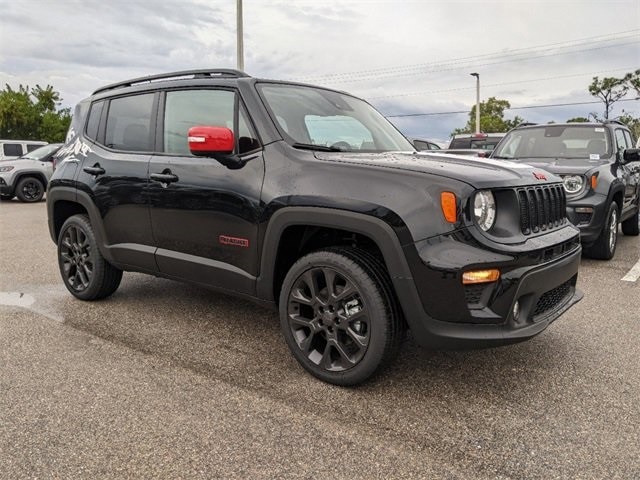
610,90
33,114
634,82
491,118
578,120
632,123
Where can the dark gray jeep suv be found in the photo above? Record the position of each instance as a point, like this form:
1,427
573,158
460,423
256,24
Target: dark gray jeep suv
600,172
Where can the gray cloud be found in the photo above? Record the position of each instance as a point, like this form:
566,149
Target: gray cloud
78,46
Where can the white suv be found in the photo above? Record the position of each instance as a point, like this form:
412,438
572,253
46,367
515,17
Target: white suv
27,177
16,148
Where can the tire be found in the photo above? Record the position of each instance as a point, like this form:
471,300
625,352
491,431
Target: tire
344,338
29,190
605,245
85,272
631,225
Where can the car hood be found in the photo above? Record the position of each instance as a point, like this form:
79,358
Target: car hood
21,163
561,165
475,171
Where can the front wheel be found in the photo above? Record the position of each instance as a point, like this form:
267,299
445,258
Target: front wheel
29,190
339,315
605,246
85,272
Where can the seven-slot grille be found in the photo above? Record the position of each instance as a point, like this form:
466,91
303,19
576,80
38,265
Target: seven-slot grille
541,208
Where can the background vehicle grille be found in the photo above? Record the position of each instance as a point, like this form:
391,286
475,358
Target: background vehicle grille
542,208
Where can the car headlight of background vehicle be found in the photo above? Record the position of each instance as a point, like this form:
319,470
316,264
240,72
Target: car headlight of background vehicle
6,169
484,209
573,183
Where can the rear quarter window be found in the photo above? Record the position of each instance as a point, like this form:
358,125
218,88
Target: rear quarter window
12,149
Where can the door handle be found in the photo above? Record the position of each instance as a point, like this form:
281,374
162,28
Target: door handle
95,170
164,177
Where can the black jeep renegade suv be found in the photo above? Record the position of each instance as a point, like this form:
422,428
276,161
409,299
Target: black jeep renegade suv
310,200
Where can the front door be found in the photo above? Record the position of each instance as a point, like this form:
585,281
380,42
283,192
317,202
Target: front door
204,215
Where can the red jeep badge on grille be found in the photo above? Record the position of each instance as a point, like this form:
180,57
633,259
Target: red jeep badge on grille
539,176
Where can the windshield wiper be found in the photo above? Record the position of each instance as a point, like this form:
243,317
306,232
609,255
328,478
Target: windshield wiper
319,148
502,158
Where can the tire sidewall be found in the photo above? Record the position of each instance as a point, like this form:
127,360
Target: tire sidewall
613,208
80,221
20,186
372,297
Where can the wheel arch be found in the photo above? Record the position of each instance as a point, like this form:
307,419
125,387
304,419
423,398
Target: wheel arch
31,173
63,202
295,222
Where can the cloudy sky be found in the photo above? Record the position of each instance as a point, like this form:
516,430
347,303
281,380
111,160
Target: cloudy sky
405,57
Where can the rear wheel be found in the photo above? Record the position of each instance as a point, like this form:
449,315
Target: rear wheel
29,189
85,272
631,225
605,246
339,315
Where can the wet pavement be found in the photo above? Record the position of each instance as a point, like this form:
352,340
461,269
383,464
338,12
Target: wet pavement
168,380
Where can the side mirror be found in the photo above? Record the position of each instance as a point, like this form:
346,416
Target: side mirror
214,142
631,155
207,141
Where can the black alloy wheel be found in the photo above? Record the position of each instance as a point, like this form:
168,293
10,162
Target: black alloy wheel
29,190
339,315
604,248
85,272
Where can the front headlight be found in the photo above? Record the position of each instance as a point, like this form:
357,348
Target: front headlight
484,209
573,183
6,169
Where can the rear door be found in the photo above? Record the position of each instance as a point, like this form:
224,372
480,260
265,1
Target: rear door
205,221
114,173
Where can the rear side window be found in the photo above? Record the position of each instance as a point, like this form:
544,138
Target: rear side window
12,149
32,146
94,120
129,123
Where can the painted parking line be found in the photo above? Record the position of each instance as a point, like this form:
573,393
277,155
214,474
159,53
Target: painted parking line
16,299
633,274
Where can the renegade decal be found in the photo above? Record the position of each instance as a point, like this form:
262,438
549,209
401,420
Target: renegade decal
234,241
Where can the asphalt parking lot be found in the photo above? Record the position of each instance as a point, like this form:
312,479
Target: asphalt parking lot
167,380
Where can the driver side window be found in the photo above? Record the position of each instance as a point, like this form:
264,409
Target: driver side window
621,141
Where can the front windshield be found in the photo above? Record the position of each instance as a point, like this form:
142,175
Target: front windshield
313,117
42,152
556,141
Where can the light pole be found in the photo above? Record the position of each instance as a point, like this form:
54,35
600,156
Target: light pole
239,41
477,75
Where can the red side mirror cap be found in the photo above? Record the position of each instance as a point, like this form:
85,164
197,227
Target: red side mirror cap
206,141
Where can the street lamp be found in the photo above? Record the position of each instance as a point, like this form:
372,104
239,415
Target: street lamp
477,75
239,41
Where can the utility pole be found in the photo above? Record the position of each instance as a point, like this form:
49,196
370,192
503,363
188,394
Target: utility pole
239,41
477,75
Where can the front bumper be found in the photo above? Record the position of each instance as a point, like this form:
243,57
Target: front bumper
590,224
5,188
543,282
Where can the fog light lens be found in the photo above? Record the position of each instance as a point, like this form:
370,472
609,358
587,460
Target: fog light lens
584,210
516,311
480,276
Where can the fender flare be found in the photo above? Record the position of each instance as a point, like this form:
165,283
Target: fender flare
30,173
378,230
70,194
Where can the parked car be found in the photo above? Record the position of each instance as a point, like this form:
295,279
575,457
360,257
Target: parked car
27,177
308,200
475,141
600,172
424,145
10,149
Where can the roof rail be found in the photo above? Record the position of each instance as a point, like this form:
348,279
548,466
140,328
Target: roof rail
615,121
526,124
204,73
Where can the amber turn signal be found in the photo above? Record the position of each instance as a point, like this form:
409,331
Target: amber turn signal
594,181
448,205
480,276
